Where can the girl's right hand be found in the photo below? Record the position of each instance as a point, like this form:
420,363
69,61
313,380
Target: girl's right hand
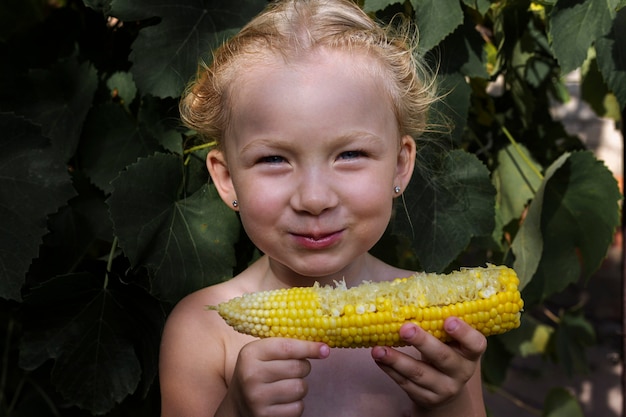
268,379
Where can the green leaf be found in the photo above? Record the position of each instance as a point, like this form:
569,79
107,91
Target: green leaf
561,403
574,26
93,334
515,180
464,51
576,189
570,340
376,5
121,85
530,56
528,242
112,140
611,56
447,205
58,100
185,242
34,182
481,6
596,93
157,119
436,19
453,109
165,56
75,233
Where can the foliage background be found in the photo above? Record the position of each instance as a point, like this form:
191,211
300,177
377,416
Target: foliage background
107,215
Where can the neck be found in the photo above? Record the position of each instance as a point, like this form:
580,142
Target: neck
276,275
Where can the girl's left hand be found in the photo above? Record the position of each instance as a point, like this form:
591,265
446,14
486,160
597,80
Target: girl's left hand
444,369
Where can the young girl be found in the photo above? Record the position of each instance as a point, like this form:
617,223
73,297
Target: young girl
315,109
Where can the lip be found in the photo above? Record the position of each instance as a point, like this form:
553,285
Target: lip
317,240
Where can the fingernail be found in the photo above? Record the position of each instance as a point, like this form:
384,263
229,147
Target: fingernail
379,352
324,351
409,333
451,324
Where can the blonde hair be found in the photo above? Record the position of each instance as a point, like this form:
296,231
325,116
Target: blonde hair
293,27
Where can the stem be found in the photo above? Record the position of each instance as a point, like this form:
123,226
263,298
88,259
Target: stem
110,262
518,402
551,315
16,395
5,360
200,147
46,398
521,153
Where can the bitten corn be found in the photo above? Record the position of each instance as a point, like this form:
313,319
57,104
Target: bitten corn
372,313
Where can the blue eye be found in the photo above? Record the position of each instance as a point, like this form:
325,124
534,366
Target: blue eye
272,159
351,154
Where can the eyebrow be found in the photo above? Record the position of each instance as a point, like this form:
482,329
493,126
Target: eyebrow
344,138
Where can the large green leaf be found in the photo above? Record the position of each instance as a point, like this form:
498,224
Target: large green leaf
186,242
611,56
34,182
447,205
57,99
528,243
165,56
569,226
516,180
76,233
112,139
436,19
94,334
574,26
376,5
464,51
451,112
531,57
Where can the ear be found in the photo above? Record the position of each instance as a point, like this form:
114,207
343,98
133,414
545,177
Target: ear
406,161
220,174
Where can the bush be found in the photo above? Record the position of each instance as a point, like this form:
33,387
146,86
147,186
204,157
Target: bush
109,218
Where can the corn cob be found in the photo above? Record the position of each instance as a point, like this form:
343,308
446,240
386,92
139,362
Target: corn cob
372,313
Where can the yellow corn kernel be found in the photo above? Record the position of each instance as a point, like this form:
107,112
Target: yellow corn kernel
372,313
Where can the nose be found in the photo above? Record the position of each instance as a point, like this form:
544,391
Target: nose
314,193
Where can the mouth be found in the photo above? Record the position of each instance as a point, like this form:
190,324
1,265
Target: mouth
317,240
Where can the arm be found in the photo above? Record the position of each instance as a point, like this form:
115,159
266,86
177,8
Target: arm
191,362
446,381
268,376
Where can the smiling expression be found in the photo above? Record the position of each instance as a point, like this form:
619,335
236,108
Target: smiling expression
312,154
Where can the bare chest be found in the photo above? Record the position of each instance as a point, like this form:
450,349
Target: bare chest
349,383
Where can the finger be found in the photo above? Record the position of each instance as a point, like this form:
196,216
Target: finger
471,343
288,390
277,348
293,409
419,379
286,369
438,354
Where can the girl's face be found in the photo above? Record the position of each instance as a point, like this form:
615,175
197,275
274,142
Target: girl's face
312,155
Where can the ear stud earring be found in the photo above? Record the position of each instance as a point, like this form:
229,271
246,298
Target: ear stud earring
235,203
396,189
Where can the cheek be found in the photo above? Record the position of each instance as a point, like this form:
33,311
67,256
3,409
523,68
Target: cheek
259,206
372,201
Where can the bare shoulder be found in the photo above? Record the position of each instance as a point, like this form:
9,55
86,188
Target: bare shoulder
194,352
